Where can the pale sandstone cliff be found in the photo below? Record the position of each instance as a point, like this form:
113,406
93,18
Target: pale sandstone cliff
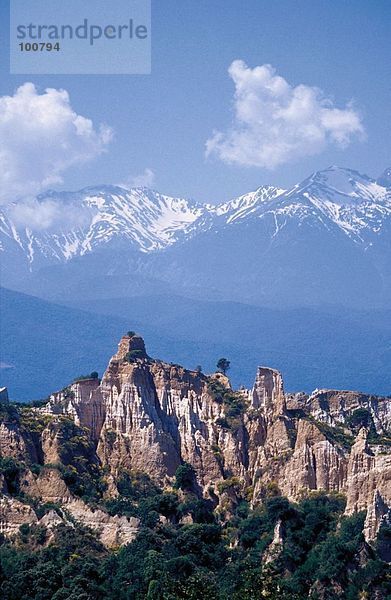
113,531
150,416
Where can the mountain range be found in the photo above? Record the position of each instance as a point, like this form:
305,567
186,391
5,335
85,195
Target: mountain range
327,240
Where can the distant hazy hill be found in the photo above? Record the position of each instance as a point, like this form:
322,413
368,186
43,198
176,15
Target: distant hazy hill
44,345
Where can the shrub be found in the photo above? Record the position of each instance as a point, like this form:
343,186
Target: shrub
80,468
359,418
36,468
93,375
68,393
133,355
33,421
216,390
184,477
269,490
234,404
9,412
11,469
226,484
136,485
202,560
336,435
110,436
35,403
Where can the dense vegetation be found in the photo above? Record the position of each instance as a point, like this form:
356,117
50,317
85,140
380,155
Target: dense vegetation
205,558
186,548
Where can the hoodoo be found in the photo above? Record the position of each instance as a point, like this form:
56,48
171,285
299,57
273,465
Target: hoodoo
149,416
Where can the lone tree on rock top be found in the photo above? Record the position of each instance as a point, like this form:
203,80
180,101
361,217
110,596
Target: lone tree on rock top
223,365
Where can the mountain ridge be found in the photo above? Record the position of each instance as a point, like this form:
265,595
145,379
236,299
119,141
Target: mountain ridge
153,223
325,240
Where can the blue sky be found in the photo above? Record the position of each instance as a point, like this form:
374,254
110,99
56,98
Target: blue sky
162,121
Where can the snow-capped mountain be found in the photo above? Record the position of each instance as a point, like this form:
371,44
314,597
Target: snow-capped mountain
164,238
146,219
355,203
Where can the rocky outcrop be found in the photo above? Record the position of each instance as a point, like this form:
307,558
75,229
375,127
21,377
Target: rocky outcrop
336,407
369,484
277,544
51,520
269,431
82,401
158,415
48,486
16,443
149,416
113,531
372,461
378,513
316,463
13,514
268,392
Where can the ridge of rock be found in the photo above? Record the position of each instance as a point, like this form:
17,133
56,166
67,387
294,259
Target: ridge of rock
149,416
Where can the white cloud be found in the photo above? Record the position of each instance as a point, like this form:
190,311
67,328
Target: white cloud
145,179
276,123
46,213
41,136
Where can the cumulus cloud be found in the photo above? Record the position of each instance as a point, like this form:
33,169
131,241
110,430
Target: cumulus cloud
41,136
145,179
275,123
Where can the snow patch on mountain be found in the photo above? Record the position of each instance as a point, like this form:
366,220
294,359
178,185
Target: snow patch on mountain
246,205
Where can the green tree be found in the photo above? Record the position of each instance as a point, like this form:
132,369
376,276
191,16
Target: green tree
223,365
184,477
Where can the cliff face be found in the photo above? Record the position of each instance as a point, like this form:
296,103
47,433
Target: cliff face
335,407
149,416
83,402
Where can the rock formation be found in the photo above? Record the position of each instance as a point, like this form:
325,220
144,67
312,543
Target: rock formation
149,416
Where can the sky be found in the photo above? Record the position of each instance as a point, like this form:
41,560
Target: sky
241,94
